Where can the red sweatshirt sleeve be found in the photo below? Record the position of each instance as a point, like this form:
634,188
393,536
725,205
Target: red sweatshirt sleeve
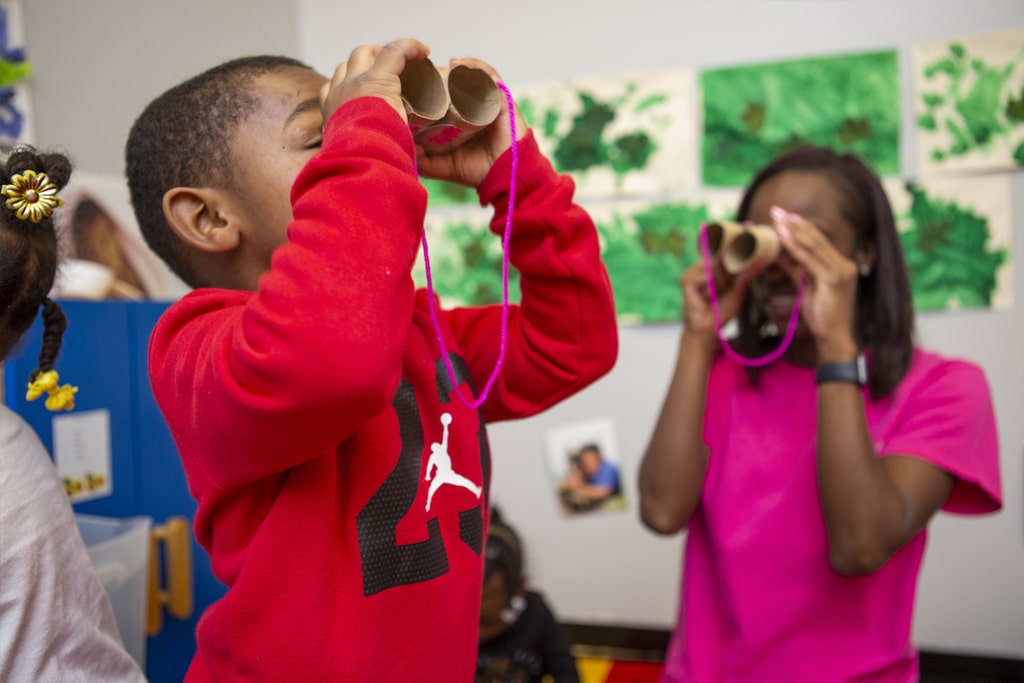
264,381
563,335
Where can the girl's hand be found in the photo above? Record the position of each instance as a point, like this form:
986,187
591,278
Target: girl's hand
830,292
730,291
469,163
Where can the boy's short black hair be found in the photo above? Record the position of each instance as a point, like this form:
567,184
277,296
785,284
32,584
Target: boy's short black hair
183,139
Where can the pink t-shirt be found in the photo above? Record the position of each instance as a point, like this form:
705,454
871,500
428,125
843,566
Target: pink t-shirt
760,602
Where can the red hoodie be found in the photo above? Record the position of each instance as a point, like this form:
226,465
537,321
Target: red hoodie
342,488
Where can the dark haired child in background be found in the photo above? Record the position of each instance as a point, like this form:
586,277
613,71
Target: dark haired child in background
521,641
807,485
303,379
56,621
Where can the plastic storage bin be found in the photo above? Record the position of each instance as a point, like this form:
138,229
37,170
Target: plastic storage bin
119,550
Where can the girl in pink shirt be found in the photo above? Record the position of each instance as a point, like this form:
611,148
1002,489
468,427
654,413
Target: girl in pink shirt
806,485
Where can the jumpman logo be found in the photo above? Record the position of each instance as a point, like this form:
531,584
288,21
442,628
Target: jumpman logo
440,464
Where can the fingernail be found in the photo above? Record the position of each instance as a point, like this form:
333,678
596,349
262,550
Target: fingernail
778,214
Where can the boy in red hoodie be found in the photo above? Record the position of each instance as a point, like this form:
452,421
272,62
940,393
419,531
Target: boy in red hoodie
342,485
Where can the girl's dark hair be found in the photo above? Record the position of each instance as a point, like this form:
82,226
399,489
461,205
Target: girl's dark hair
503,553
28,258
884,316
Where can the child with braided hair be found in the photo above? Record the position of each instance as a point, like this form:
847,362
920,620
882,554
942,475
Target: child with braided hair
56,621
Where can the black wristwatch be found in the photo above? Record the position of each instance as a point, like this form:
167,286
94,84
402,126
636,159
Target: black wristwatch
855,370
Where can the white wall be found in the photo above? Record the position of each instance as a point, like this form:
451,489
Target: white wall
607,567
98,63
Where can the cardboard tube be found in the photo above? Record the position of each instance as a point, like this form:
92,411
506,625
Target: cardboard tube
475,98
756,247
423,93
474,103
720,234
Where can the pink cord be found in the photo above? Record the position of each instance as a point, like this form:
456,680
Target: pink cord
713,296
504,275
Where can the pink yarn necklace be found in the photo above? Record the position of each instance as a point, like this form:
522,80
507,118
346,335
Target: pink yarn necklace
794,316
504,276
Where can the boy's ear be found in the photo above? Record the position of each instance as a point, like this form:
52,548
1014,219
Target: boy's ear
202,218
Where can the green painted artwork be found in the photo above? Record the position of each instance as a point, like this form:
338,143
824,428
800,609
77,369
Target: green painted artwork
754,113
440,193
616,136
646,253
956,238
465,262
950,253
646,246
970,103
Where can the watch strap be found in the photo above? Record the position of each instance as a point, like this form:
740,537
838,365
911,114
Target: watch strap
855,371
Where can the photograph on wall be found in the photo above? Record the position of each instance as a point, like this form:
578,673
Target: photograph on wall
753,113
957,240
969,95
103,253
585,468
15,69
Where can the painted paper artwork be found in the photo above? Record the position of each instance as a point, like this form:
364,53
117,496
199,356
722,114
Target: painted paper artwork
625,136
646,245
754,113
969,95
465,259
957,239
442,194
617,137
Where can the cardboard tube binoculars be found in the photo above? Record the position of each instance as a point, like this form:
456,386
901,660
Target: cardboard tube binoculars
742,246
446,108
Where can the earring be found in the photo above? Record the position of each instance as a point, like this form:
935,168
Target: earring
515,608
864,269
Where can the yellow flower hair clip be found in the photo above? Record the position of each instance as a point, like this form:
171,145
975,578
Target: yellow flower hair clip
60,398
32,196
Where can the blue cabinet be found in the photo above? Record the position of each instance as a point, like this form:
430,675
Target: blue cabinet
104,355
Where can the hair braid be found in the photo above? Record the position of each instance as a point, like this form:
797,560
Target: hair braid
28,254
54,324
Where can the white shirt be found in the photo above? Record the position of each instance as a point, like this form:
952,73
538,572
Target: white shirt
56,622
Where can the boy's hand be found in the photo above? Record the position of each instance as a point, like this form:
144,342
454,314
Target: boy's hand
469,163
372,71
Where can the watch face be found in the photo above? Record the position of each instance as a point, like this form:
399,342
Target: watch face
862,370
